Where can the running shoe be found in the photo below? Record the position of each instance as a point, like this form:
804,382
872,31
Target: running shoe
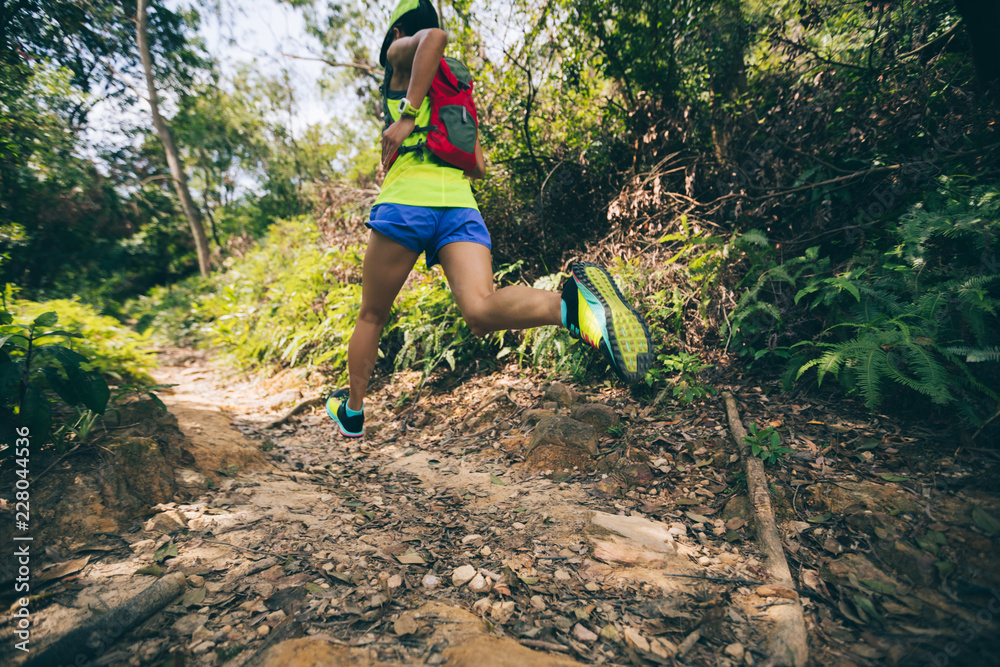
594,310
336,406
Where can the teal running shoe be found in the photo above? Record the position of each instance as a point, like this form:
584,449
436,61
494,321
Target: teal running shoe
594,310
351,426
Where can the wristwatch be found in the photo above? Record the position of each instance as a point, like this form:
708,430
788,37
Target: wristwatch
406,109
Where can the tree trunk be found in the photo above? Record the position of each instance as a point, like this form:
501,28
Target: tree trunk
173,160
728,72
982,21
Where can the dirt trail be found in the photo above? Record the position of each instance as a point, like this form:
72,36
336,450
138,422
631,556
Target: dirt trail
446,543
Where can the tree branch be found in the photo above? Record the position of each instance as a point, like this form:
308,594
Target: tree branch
945,35
806,49
365,68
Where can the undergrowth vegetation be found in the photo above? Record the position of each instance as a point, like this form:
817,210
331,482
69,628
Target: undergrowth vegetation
293,301
58,363
914,312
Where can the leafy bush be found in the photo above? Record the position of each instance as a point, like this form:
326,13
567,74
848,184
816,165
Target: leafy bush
919,309
113,349
32,368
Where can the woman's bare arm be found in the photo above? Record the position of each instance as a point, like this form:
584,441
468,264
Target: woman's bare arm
420,56
480,169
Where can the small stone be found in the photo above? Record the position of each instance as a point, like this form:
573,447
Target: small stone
583,634
463,575
635,640
727,558
430,581
276,615
592,587
501,612
735,651
190,479
560,394
195,581
480,584
395,581
203,647
486,551
704,560
538,602
662,648
481,606
471,538
186,625
562,575
202,634
264,630
517,525
405,625
168,522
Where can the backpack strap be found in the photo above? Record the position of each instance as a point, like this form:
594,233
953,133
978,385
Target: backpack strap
385,95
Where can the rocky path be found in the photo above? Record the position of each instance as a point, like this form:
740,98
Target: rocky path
517,522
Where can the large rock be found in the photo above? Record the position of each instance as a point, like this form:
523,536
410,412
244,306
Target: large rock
560,443
459,637
318,652
850,497
532,417
633,540
601,417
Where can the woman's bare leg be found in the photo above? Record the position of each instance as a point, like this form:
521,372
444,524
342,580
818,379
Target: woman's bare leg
469,270
386,267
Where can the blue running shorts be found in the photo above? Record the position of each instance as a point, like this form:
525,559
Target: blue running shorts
427,229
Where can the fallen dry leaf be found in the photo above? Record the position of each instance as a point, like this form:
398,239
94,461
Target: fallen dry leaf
63,569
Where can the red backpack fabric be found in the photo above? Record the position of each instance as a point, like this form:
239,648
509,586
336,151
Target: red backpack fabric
454,124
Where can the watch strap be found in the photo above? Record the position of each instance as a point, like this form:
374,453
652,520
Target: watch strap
406,109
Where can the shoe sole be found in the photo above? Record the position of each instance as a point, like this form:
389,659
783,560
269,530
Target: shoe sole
333,415
629,345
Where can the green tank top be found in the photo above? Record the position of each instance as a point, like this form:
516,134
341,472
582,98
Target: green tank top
420,178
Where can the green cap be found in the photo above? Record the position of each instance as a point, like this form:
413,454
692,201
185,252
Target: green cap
403,8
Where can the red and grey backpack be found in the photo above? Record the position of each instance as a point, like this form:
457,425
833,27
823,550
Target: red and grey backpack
451,133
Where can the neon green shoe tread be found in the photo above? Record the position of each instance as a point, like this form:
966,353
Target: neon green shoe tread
625,335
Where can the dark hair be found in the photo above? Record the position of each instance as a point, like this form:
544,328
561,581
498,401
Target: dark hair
420,18
413,21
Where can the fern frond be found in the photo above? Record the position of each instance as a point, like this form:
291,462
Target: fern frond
753,237
976,355
870,370
933,379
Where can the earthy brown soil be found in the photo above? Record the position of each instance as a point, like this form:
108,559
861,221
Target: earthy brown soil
469,538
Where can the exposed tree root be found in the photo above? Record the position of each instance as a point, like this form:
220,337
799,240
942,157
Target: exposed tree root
91,641
788,641
300,407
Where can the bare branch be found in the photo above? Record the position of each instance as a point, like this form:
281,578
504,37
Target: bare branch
365,68
943,36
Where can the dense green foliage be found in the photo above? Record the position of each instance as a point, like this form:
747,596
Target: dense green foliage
919,307
811,186
293,301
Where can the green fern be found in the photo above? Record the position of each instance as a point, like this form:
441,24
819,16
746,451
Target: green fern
977,355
